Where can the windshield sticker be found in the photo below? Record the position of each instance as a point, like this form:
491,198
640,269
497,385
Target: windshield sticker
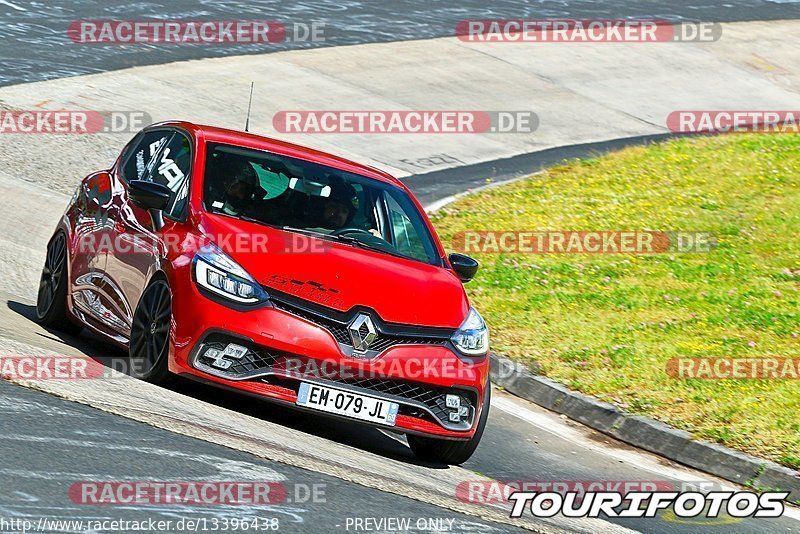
140,164
170,171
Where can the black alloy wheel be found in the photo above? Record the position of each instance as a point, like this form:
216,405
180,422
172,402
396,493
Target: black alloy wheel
51,299
149,343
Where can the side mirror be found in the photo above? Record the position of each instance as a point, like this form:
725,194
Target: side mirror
150,196
464,266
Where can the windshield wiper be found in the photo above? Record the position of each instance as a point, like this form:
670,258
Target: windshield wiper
305,231
251,219
344,238
248,219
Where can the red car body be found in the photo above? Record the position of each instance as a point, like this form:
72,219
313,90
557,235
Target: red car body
313,294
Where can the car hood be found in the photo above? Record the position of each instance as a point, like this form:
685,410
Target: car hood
342,276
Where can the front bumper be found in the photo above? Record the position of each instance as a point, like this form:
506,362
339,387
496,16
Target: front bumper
285,349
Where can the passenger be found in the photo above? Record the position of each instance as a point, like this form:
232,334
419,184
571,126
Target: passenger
234,190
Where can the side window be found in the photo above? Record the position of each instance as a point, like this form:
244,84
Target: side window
172,170
406,238
164,157
142,157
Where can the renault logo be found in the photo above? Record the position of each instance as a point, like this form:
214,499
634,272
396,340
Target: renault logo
362,332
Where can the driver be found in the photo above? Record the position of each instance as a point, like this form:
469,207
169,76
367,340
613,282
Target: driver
338,208
240,190
337,211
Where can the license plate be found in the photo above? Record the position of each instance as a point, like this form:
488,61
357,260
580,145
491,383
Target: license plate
349,404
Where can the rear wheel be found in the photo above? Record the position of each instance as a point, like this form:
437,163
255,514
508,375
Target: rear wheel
51,300
149,344
452,452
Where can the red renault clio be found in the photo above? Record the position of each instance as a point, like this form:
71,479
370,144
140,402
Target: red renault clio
281,272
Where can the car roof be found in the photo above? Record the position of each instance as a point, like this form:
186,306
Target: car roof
259,142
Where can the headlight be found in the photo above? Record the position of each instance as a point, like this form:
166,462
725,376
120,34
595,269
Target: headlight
472,337
216,272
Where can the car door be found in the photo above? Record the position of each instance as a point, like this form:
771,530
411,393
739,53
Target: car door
92,236
163,156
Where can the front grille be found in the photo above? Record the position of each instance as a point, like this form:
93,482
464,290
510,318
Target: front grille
271,366
339,331
257,361
431,397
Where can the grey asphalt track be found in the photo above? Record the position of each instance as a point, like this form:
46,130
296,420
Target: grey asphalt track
34,44
47,443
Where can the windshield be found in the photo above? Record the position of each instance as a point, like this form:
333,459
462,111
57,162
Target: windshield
301,196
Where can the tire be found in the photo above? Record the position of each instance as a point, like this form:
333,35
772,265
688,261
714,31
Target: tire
51,299
150,334
448,451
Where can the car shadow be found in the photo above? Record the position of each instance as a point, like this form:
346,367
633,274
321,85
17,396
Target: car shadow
353,434
87,342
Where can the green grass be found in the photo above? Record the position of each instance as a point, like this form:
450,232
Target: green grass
607,324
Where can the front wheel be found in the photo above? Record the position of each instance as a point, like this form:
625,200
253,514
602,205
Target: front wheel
452,452
149,344
51,300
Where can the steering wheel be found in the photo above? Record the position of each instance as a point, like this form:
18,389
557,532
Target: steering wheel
342,231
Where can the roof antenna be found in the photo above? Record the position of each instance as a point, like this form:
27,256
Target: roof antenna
249,105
